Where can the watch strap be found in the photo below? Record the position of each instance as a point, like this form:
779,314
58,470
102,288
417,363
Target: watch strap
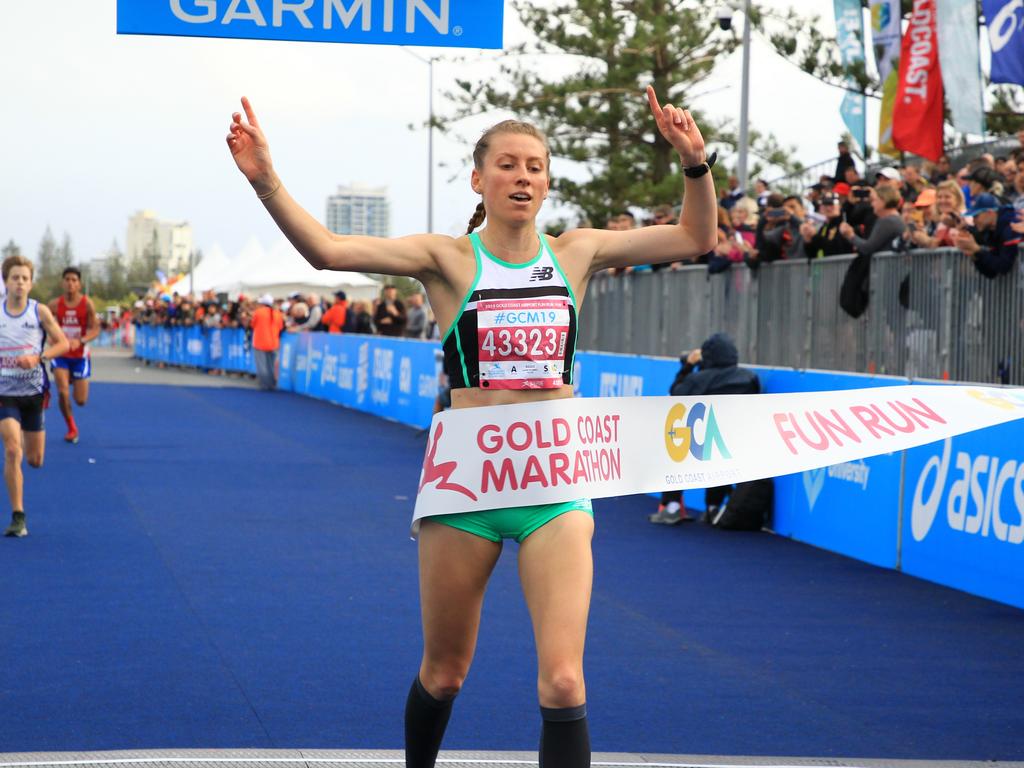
696,171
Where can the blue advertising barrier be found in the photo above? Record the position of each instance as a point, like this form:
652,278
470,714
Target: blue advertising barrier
440,23
392,378
963,513
196,347
950,512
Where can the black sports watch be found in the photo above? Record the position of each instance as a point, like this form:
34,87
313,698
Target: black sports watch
696,171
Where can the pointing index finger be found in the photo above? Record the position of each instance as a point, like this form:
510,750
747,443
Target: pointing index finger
652,99
249,114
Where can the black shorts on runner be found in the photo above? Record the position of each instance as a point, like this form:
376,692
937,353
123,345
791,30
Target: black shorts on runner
27,410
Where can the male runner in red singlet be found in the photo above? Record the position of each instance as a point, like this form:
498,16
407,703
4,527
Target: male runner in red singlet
76,315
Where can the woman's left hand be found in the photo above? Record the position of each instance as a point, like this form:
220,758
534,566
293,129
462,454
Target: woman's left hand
679,130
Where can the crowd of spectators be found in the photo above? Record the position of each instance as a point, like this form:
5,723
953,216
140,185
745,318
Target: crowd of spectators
387,315
978,209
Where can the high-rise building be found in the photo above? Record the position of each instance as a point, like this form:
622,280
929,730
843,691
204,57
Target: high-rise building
359,210
171,241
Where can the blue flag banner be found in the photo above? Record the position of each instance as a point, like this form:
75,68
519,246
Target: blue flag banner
850,36
440,23
1005,20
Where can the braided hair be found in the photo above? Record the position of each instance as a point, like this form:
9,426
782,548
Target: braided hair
477,218
484,144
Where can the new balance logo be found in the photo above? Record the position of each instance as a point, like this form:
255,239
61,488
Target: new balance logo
542,273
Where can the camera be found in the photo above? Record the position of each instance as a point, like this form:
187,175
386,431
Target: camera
724,18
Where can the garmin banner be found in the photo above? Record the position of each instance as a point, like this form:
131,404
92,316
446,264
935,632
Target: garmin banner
440,23
1005,21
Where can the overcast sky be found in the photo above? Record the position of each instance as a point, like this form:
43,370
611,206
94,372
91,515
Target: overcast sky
96,126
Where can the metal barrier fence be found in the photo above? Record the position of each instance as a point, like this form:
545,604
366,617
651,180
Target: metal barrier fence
930,315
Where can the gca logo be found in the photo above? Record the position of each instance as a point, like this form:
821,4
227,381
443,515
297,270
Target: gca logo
974,505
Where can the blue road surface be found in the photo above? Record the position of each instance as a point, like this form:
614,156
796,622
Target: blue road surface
225,568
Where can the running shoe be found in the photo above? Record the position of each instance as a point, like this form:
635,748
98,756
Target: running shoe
17,527
668,514
72,435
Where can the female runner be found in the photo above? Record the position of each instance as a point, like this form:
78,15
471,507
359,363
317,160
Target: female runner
509,262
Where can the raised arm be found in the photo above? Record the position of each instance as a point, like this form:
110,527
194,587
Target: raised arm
415,256
696,232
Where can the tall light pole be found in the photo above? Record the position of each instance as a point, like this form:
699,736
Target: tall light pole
725,14
741,164
429,61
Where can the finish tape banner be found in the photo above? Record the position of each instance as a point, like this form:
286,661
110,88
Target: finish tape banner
561,450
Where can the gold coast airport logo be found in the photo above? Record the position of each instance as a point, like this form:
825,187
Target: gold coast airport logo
693,432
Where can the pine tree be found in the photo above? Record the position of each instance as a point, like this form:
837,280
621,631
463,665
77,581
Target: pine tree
597,115
65,255
11,249
115,281
47,273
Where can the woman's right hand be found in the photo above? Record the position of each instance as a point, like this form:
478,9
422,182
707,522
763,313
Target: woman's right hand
922,239
250,150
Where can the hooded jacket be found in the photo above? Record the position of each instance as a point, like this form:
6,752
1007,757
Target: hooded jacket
718,372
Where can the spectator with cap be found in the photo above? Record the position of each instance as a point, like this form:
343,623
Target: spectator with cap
825,239
334,318
266,324
888,177
817,192
991,242
982,180
921,220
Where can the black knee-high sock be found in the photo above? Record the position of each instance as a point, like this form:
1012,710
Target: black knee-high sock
425,721
565,738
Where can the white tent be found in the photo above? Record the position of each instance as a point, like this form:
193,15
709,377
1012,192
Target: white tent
279,272
207,273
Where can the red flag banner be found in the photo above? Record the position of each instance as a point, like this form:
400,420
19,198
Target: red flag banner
917,115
